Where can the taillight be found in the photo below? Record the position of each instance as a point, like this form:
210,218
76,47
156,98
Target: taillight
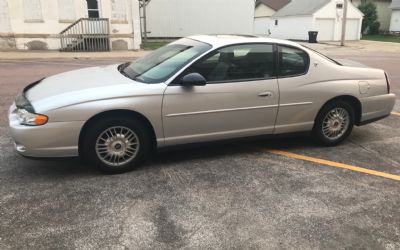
387,82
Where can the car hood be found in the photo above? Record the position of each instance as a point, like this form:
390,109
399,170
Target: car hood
83,86
77,80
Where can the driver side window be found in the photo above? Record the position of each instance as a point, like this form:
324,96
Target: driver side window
237,63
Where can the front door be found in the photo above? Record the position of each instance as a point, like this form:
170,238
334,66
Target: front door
240,98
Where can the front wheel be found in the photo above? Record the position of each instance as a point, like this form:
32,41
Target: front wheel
116,145
334,123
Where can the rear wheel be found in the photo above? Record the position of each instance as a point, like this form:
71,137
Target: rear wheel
116,144
334,123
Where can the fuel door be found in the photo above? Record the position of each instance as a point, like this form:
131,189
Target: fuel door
364,87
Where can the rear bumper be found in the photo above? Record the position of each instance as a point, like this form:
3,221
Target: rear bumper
57,139
376,107
371,120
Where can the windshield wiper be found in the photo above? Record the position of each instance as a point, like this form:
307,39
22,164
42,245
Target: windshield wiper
122,67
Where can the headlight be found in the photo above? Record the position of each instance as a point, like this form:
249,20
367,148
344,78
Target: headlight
30,119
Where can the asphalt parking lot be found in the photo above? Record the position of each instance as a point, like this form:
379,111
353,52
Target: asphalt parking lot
279,193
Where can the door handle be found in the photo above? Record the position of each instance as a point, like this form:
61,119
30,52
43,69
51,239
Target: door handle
265,94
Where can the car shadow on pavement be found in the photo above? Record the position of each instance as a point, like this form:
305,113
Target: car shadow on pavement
55,167
211,150
171,155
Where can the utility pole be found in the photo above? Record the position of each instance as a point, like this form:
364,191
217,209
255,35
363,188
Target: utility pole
344,23
143,4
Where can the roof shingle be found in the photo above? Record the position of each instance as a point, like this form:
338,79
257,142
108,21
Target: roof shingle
301,8
274,4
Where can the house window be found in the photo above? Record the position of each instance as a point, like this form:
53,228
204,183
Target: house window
5,25
118,10
66,10
32,11
339,6
276,22
93,8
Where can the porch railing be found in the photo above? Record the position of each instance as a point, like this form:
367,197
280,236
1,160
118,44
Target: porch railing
86,34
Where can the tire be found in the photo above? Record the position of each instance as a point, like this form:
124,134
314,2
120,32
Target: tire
334,123
116,144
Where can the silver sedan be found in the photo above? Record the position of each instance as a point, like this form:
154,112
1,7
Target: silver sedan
200,88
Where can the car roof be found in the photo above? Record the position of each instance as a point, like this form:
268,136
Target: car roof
223,40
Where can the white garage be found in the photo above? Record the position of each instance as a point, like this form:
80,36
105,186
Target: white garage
352,29
261,26
296,19
179,18
395,19
325,28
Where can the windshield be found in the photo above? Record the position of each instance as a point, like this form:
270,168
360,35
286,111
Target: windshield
324,56
161,64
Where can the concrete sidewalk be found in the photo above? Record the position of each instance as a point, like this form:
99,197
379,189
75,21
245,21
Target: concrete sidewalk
362,47
20,55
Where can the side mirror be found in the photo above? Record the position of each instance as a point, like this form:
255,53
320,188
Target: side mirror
193,79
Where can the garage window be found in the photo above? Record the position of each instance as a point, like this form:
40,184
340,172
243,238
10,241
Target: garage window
244,62
292,61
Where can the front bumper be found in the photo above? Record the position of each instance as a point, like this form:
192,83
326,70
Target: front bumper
54,139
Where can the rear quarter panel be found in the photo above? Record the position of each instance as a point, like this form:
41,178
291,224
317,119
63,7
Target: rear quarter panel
302,97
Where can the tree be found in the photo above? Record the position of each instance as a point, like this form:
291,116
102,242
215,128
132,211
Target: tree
370,24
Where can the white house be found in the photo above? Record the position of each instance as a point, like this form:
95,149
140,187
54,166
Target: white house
179,18
265,9
395,20
37,24
297,18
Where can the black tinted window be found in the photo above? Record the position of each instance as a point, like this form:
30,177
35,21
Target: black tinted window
293,61
239,62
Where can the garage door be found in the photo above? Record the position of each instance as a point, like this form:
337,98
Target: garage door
352,29
325,28
261,26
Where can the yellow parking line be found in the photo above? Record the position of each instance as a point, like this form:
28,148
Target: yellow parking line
396,113
332,164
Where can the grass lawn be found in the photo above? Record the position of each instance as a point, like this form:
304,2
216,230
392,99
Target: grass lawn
152,45
382,38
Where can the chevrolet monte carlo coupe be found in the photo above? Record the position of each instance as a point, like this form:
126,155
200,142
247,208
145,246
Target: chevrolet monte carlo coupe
196,89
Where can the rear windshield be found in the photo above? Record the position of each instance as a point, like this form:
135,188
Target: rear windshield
324,56
164,62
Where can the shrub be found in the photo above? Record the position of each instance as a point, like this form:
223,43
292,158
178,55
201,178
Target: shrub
370,24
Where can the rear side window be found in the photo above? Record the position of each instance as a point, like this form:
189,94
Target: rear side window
292,61
244,62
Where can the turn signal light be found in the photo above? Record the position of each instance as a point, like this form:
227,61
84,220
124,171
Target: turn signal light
41,119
